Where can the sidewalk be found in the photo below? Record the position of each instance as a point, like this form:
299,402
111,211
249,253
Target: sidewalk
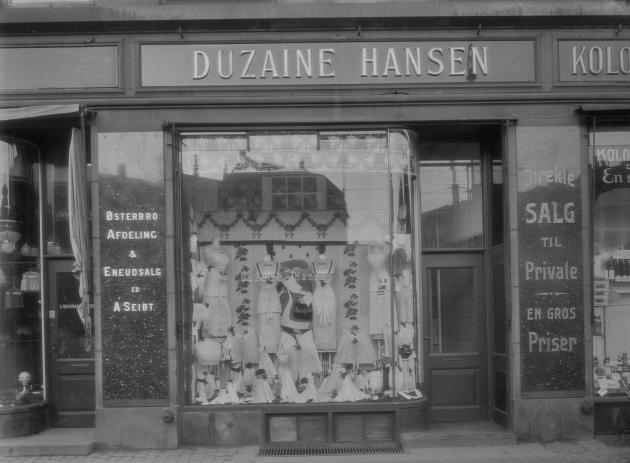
608,450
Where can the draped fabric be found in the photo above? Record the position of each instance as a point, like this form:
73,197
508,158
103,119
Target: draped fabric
79,238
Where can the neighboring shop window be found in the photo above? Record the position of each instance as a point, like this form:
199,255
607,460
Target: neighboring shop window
21,368
610,157
298,272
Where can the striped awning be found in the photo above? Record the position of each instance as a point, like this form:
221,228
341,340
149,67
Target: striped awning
33,112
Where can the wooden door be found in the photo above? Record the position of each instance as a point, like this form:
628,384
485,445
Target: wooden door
455,337
72,397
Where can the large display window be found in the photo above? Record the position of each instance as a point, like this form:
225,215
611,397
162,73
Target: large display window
298,280
21,366
610,157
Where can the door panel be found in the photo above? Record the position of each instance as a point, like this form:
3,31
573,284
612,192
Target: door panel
72,361
500,322
455,337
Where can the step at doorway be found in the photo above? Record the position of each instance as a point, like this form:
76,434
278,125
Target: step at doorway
463,434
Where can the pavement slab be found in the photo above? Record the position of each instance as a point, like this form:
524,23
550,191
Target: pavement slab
583,451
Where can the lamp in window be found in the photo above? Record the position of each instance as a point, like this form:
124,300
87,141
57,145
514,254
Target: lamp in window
9,234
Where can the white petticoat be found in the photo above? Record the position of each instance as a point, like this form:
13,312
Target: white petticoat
348,392
324,316
302,353
355,349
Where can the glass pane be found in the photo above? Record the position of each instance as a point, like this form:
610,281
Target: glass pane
497,204
610,149
279,202
453,310
310,202
296,300
451,195
21,368
499,399
498,309
57,237
293,202
70,328
310,184
278,185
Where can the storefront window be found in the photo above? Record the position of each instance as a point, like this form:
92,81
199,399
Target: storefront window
299,281
610,151
20,282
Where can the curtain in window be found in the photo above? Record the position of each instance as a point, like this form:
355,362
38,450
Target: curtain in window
78,215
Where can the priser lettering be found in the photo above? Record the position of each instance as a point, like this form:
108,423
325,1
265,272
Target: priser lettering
539,343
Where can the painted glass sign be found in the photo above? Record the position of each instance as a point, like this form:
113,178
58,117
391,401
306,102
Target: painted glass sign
550,262
132,267
444,62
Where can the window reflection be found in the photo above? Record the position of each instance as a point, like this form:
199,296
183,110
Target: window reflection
451,195
453,310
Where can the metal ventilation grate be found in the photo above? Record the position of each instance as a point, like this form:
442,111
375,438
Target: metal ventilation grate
313,450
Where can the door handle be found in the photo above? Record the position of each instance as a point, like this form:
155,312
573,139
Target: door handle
53,347
426,338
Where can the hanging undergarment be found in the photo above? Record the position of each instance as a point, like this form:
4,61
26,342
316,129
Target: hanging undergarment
355,348
262,391
268,309
404,296
348,392
324,304
215,294
380,291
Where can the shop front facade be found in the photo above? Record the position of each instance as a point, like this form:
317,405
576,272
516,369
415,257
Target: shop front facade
241,231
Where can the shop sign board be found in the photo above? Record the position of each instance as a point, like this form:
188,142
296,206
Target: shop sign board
60,67
338,63
550,262
594,60
133,268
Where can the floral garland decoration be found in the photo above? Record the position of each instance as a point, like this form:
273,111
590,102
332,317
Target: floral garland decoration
257,228
242,284
289,228
224,229
322,228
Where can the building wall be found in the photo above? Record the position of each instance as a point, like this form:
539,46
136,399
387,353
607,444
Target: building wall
541,109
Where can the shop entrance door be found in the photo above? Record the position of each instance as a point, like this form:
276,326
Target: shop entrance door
72,395
456,375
